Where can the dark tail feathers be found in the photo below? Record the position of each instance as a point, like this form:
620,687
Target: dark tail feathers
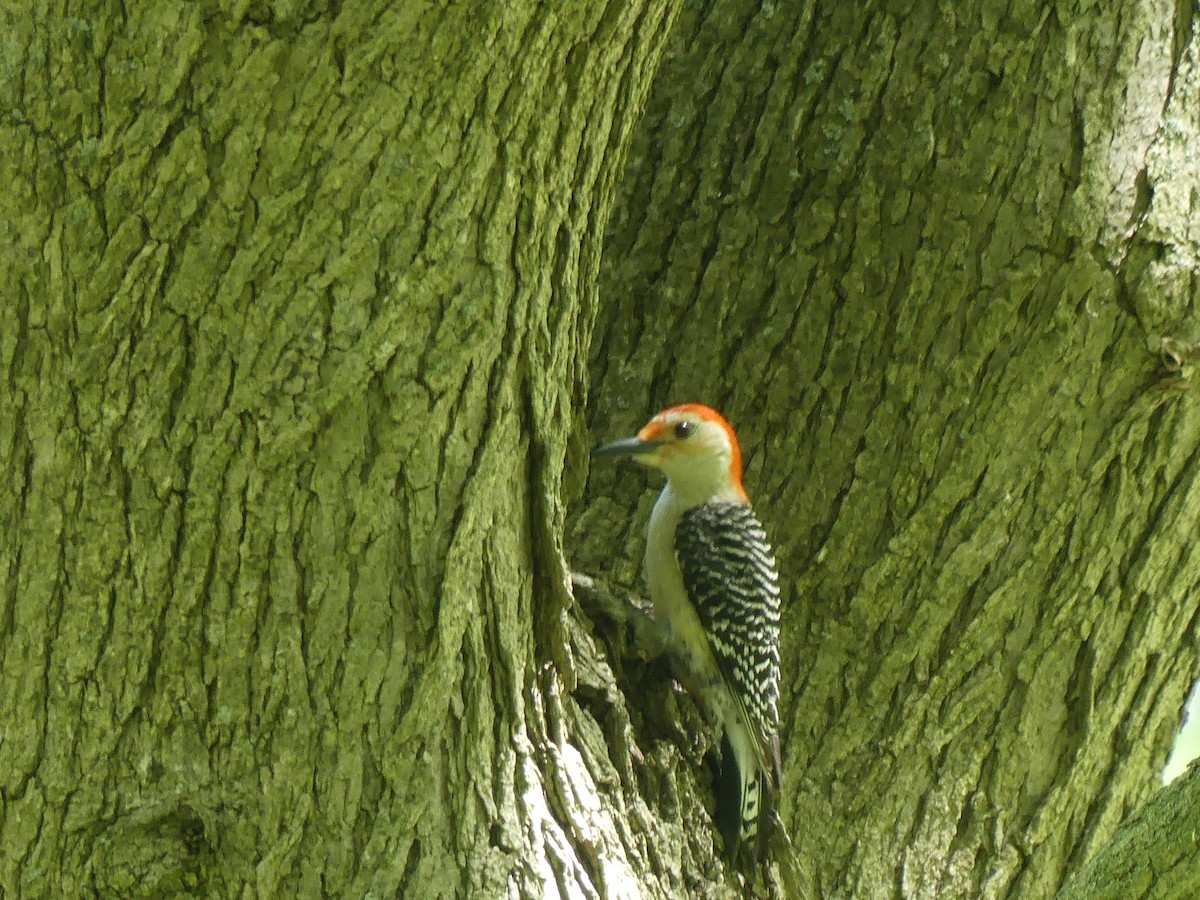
745,811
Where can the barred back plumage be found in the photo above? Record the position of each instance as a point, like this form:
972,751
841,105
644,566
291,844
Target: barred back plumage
729,572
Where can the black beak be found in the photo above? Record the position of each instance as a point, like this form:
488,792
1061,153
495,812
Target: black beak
626,447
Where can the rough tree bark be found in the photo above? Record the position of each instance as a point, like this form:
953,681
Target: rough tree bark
1152,855
925,256
296,302
295,307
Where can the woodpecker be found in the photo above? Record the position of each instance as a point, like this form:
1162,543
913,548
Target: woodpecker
715,588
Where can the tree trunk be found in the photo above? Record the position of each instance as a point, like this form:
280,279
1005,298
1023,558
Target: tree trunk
926,259
296,302
1152,855
297,308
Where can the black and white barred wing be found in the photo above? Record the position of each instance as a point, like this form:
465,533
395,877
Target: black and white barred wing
729,573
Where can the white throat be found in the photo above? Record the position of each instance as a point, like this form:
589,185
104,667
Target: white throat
693,482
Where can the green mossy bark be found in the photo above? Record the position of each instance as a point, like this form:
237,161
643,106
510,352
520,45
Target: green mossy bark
924,256
1153,856
296,303
288,291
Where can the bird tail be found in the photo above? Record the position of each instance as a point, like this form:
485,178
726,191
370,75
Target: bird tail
745,802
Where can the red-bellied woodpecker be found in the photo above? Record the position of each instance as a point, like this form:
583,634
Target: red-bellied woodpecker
715,589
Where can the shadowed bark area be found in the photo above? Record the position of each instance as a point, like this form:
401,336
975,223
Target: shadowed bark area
1153,854
296,306
924,257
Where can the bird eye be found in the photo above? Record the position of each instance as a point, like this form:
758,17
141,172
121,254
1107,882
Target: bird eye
683,429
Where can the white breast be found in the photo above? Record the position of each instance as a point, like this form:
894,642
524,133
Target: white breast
672,607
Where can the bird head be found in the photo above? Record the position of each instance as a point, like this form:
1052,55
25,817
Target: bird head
694,447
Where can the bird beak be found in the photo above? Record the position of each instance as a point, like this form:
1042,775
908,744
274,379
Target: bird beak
627,447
